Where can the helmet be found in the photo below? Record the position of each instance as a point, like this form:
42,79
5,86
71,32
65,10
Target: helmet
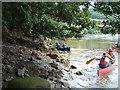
104,54
109,49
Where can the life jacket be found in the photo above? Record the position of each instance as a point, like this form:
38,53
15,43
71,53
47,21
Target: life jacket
103,62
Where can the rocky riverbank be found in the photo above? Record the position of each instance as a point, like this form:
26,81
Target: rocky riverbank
24,57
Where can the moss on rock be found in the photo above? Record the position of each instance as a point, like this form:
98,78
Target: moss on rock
29,82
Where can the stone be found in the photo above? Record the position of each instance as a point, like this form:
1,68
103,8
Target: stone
10,40
62,60
73,67
65,84
21,72
20,59
32,59
11,52
79,73
26,75
53,56
9,68
54,65
38,57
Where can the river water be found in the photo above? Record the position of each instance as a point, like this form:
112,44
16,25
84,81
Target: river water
82,50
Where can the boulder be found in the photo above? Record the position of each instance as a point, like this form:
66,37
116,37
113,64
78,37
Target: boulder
53,56
79,73
10,40
29,82
73,67
21,72
55,65
9,68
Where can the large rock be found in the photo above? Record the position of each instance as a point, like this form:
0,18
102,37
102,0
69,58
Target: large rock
9,68
29,82
21,72
73,67
79,73
10,40
56,66
53,56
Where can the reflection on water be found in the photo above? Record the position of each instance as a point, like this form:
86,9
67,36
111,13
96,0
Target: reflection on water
83,50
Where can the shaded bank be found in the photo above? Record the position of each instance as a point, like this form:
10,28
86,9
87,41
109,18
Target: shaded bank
21,57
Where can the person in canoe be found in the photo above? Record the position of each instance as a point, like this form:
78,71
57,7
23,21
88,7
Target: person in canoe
110,52
117,45
57,45
104,62
64,45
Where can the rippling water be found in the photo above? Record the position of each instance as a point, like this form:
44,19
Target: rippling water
83,50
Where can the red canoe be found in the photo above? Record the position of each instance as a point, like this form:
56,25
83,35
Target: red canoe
113,47
105,70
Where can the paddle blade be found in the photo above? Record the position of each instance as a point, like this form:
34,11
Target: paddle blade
90,61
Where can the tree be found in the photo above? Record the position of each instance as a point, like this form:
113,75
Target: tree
52,19
112,13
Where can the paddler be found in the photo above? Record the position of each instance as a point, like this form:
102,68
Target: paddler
105,60
110,52
57,45
117,45
64,45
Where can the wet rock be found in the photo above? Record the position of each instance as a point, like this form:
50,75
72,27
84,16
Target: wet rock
34,53
20,55
21,72
52,79
32,59
79,73
21,52
26,75
55,73
65,84
10,40
7,79
62,60
43,73
20,59
11,52
53,56
9,68
39,57
73,67
67,69
57,60
54,65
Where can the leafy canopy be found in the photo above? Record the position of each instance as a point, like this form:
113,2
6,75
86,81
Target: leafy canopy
52,19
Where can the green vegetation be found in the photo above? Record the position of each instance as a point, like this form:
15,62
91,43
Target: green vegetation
52,19
112,13
29,82
61,19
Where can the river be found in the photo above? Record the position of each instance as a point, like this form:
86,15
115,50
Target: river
84,49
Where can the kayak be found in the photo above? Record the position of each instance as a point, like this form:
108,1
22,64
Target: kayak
113,47
105,70
64,49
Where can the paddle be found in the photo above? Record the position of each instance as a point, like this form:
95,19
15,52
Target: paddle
89,61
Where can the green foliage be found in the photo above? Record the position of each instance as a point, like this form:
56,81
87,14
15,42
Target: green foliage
17,15
111,11
96,15
52,19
